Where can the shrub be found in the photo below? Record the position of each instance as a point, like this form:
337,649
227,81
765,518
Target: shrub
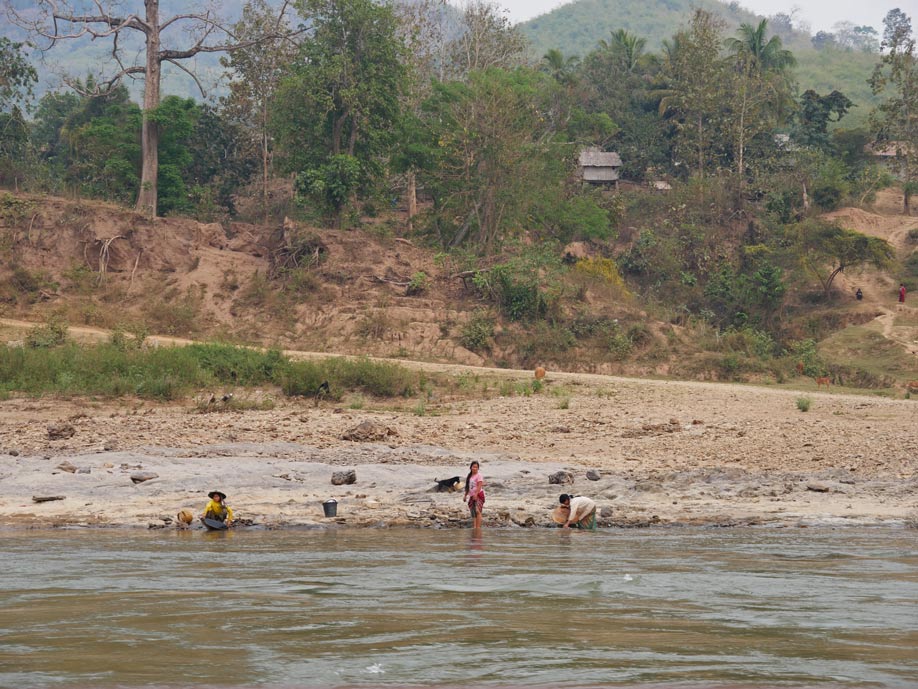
620,345
374,324
604,269
803,403
304,378
52,334
545,342
419,284
477,333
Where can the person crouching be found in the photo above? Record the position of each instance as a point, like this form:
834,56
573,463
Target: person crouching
582,511
217,509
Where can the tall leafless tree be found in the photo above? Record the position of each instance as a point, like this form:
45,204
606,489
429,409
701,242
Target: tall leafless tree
200,29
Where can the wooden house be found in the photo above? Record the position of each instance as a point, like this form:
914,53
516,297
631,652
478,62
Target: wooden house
600,167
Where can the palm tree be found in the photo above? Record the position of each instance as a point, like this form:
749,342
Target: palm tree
625,46
559,67
763,68
762,56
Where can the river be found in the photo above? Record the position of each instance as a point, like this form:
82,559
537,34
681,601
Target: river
815,607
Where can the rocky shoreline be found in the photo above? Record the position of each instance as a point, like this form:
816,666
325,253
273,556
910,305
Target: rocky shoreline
283,485
651,453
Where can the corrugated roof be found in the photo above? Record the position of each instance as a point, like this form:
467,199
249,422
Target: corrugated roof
600,159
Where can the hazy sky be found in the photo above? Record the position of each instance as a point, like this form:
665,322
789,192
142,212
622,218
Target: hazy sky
819,14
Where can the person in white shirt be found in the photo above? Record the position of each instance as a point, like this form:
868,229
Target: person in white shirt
582,511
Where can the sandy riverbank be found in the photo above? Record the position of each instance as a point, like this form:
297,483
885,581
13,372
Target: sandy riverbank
666,453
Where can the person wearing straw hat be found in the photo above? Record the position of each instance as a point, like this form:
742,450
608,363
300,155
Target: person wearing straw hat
217,509
578,511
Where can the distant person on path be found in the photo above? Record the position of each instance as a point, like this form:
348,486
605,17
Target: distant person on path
217,509
901,295
474,494
859,294
582,512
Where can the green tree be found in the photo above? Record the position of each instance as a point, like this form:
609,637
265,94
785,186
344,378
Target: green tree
342,98
826,249
257,70
617,107
16,79
696,89
813,118
101,145
223,160
65,20
495,156
762,88
896,119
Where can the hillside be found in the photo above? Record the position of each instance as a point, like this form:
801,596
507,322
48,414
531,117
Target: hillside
369,292
576,28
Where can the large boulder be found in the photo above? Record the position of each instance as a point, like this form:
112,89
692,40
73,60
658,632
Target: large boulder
561,477
344,478
369,431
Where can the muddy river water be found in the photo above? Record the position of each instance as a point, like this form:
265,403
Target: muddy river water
502,608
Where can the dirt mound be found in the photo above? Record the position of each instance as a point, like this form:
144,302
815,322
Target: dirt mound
100,265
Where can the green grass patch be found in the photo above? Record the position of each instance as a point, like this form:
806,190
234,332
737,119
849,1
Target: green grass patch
169,373
304,378
863,349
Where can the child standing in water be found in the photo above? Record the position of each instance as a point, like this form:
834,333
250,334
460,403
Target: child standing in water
474,494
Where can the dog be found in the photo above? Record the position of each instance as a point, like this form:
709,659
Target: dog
822,380
448,485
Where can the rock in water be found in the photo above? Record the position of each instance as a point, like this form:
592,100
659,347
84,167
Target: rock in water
561,477
60,431
593,475
341,478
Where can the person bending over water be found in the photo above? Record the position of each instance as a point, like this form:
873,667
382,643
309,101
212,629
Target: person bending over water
582,511
474,494
217,509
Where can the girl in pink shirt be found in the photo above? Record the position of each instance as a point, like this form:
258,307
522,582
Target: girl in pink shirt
474,494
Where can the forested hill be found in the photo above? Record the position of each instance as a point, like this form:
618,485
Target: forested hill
576,28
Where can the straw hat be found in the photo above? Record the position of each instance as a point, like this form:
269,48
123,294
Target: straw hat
185,517
212,493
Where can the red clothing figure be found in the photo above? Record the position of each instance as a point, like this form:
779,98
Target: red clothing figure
901,294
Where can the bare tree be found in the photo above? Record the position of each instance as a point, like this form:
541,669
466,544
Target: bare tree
201,30
485,38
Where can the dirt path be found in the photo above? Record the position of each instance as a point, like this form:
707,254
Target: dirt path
880,289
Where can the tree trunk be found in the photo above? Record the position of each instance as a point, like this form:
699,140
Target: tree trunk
264,163
741,146
700,147
412,199
149,137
